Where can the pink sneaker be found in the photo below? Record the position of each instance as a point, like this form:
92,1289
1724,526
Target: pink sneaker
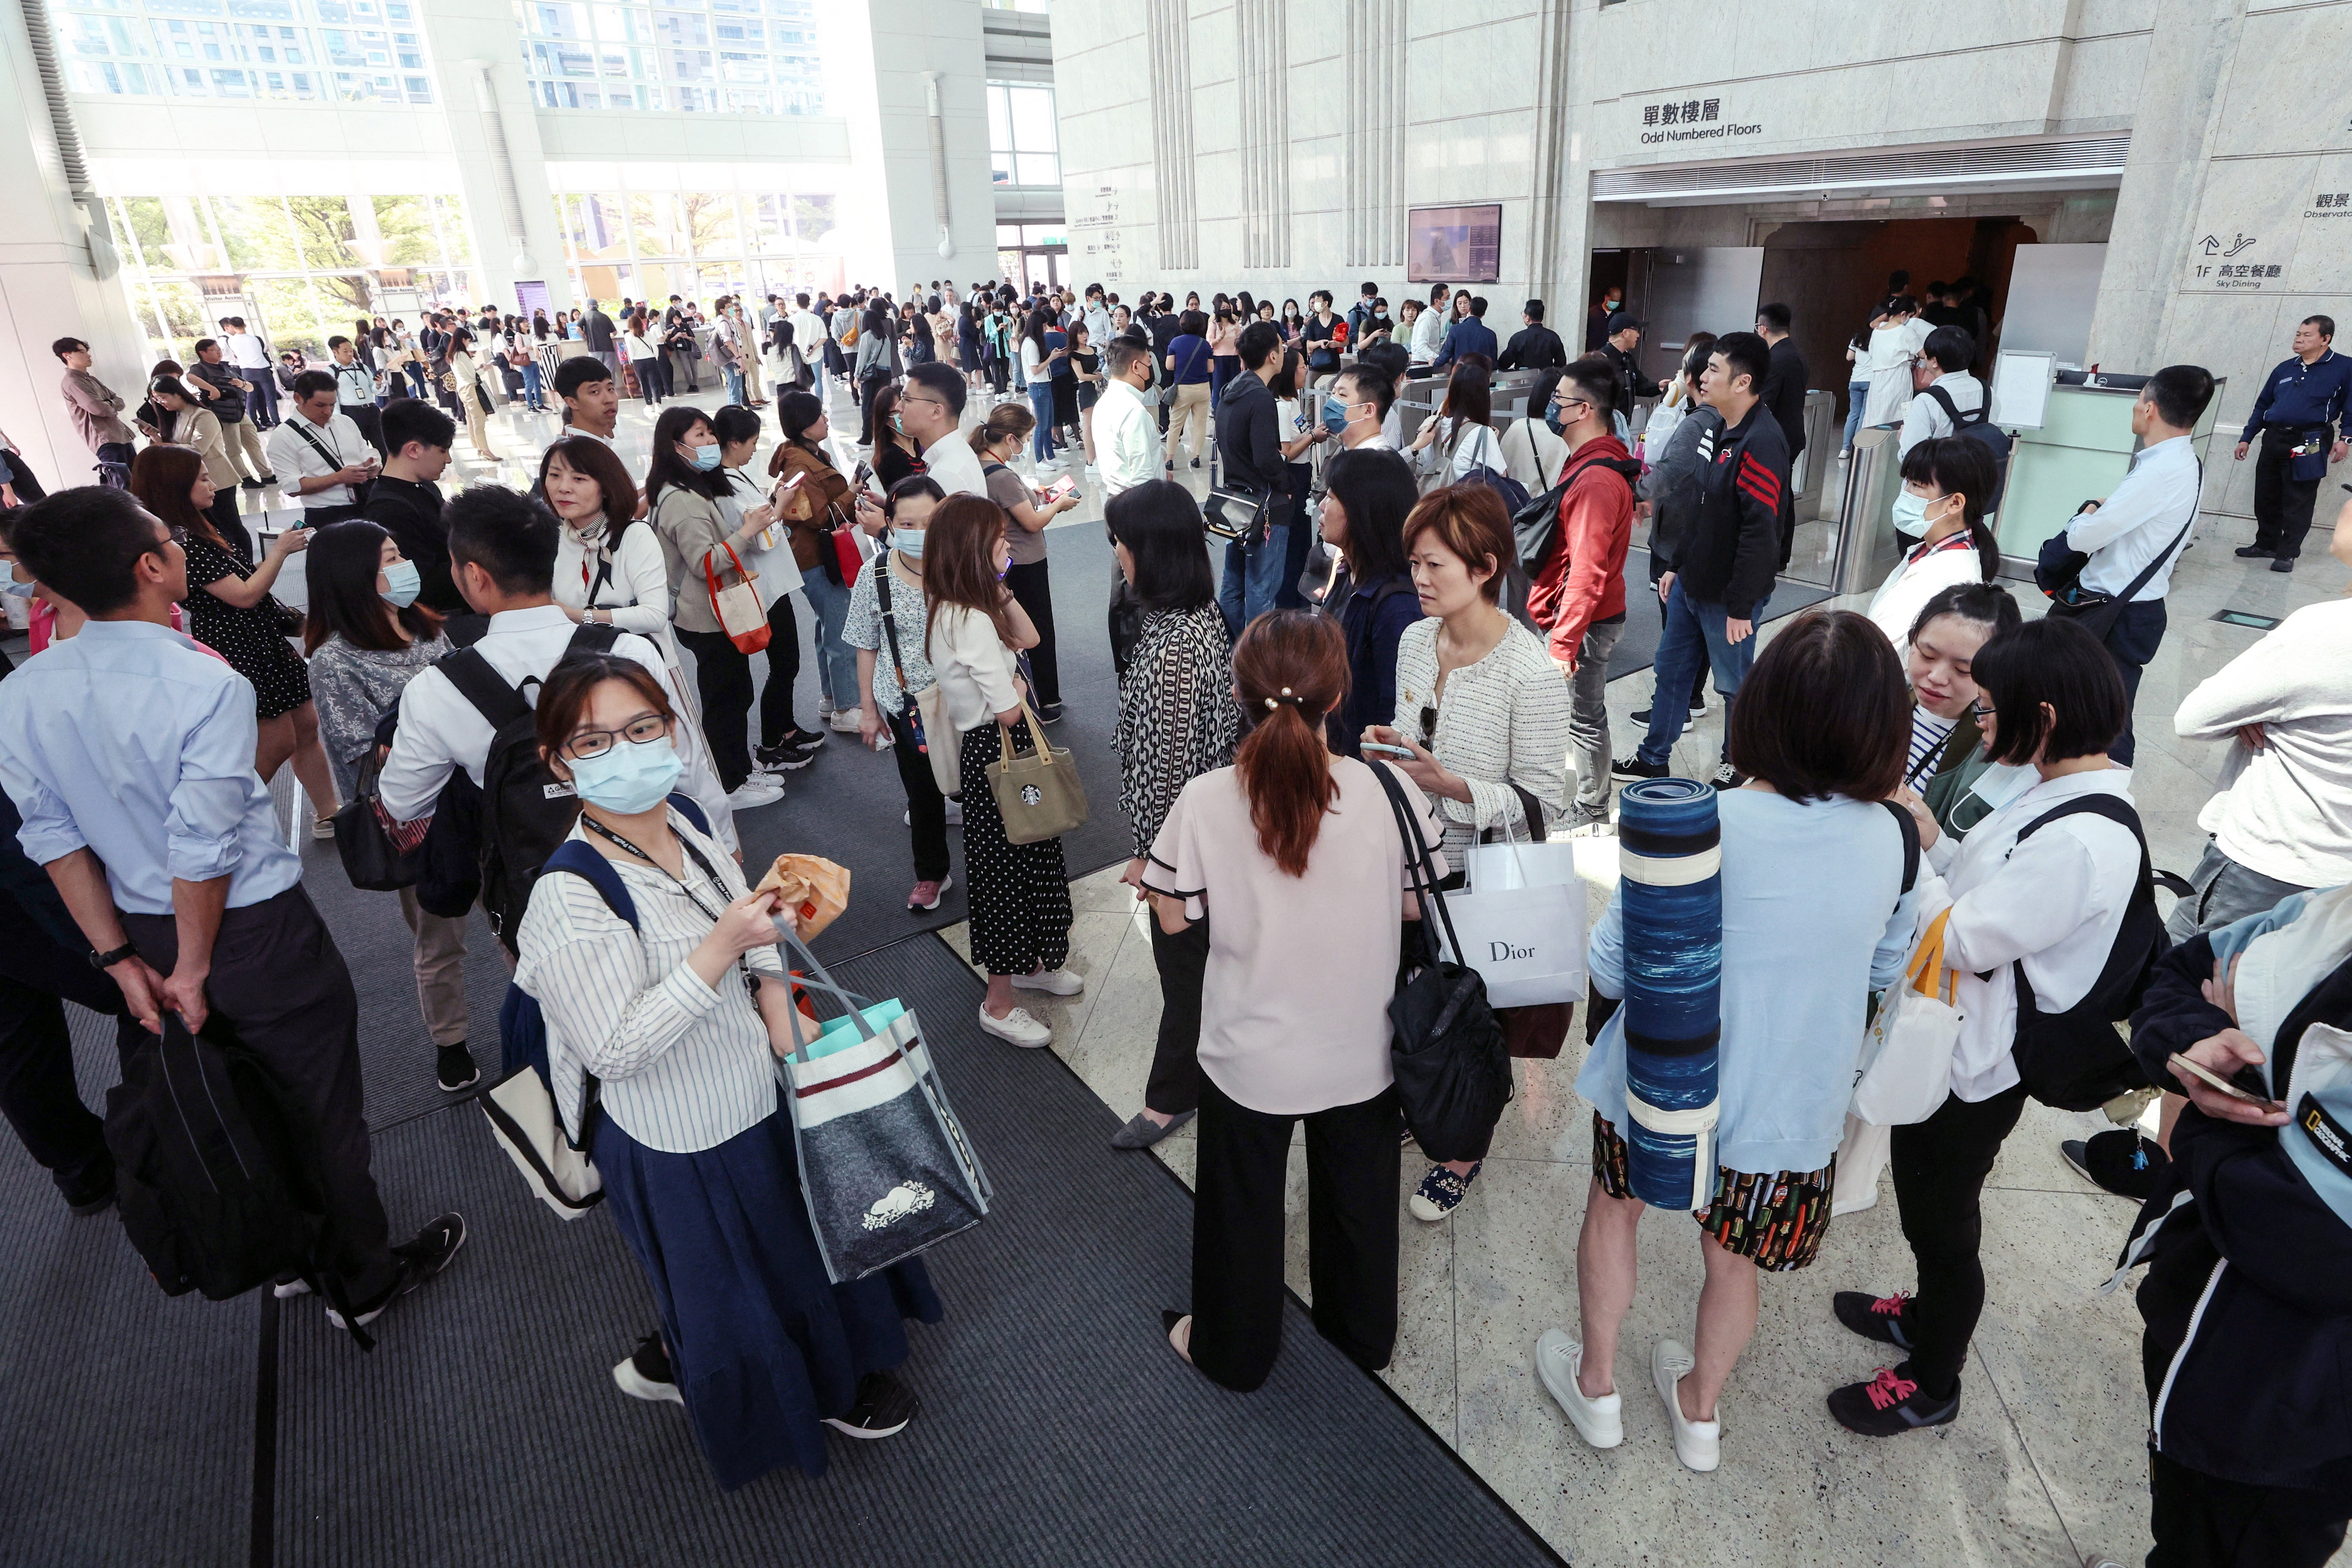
926,896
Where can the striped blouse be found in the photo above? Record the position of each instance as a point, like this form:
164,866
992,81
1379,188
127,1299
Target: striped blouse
1504,721
684,1066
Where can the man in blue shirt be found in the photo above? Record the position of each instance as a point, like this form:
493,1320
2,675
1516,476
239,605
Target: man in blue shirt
2300,413
1470,335
128,753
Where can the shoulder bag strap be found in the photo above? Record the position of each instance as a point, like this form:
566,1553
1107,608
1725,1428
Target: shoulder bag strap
301,427
483,686
1417,861
881,569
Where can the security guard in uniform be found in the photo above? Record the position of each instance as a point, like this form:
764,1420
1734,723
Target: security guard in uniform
2300,412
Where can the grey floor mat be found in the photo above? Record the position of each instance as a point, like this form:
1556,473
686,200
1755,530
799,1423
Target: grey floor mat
126,1416
1638,648
1057,1427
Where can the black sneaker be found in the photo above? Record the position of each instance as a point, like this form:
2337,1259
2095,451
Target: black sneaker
1886,1319
94,1200
1049,712
882,1409
1632,769
2118,1161
782,758
1697,711
458,1069
419,1262
2256,553
255,485
1889,1403
644,1374
1725,776
2283,564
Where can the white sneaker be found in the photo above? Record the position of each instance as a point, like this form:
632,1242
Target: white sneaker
758,790
1698,1444
845,720
1599,1421
1053,981
825,707
955,814
323,826
1016,1028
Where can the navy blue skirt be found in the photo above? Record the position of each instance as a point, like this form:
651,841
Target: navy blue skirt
763,1346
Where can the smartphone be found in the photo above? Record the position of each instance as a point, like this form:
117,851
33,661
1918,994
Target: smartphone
2250,1091
798,475
1403,754
865,472
1060,489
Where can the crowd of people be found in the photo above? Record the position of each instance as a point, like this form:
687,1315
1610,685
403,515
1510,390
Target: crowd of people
1401,651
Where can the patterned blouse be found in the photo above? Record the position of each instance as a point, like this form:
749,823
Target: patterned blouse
1177,715
354,687
1504,721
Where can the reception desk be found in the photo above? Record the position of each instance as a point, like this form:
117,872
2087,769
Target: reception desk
2082,450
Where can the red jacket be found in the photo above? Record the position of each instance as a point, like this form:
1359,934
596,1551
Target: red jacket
1584,580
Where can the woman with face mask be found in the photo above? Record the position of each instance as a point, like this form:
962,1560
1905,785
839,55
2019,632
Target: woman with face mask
678,1105
1944,482
367,637
686,481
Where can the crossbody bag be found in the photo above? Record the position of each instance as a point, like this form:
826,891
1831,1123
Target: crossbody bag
302,427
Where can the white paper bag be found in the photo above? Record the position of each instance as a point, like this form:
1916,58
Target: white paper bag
1522,922
1906,1069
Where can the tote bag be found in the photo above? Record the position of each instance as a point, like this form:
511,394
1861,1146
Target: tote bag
1521,923
740,615
887,1169
370,858
1905,1071
1037,792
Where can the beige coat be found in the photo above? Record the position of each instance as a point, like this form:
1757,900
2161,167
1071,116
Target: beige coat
691,526
200,430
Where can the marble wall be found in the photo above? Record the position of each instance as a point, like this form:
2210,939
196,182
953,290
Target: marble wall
2240,115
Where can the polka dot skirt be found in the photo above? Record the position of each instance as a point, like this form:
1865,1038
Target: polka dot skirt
1020,893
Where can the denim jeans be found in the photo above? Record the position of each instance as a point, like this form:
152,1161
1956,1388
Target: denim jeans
1858,395
1041,403
1694,632
734,375
1253,577
836,661
531,392
2225,891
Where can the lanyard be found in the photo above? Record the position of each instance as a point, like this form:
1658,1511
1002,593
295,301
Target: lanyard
751,984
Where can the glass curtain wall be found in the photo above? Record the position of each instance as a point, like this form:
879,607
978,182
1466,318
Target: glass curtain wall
710,57
621,242
335,51
1023,147
309,265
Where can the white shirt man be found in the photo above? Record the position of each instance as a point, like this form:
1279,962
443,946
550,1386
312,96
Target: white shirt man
1126,435
808,333
2143,517
323,452
1428,334
1925,419
246,350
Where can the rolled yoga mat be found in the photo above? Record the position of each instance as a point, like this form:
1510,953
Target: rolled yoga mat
1671,899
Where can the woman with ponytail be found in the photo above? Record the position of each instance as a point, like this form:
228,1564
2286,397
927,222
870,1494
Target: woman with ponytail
1298,854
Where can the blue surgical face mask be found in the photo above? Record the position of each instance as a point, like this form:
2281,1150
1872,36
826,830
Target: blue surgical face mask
1910,513
1335,414
12,584
629,778
402,584
907,542
706,457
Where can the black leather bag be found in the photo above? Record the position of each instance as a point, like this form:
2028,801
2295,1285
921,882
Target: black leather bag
371,860
1452,1063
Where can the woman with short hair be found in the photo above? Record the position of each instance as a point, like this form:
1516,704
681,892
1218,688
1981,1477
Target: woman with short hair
815,507
1820,895
1177,719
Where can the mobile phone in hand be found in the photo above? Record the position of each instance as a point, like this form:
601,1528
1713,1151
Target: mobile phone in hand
1060,489
2244,1084
1403,754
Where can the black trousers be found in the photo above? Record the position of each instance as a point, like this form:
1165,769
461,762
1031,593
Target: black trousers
230,524
723,676
370,419
2282,504
776,719
2132,640
1000,375
280,984
1939,1166
28,487
1182,960
1034,593
653,380
872,381
2204,1521
927,809
37,1070
1353,1160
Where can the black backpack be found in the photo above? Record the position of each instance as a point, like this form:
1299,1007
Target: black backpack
1977,426
2074,1060
212,1183
524,812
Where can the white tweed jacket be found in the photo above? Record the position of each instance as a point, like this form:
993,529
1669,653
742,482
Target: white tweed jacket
1504,721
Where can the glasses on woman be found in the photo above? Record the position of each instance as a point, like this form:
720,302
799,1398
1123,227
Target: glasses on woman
640,732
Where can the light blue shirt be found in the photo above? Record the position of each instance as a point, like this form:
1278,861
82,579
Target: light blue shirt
127,740
1815,920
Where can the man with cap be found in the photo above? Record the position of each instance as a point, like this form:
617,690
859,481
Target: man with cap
1624,340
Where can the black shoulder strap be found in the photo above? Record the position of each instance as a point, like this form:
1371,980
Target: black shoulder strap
301,427
1418,863
593,636
483,686
1910,831
881,572
1960,421
2115,811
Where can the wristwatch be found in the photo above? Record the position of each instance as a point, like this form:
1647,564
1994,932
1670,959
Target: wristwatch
103,960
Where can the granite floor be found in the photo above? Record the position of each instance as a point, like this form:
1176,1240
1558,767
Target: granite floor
2046,1462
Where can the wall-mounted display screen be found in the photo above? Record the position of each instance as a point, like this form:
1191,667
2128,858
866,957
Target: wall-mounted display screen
1453,244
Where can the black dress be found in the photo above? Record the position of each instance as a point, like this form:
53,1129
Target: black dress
252,639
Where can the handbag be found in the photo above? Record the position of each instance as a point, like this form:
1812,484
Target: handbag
1452,1063
1038,793
847,556
371,860
2058,572
1905,1074
887,1169
1522,918
1237,511
740,615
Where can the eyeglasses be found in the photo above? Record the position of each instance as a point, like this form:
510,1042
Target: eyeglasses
643,731
904,400
177,534
1979,712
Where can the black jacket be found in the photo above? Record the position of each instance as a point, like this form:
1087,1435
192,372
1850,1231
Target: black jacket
1249,438
1630,383
1740,530
411,513
1784,393
1533,348
2248,1317
229,407
596,330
